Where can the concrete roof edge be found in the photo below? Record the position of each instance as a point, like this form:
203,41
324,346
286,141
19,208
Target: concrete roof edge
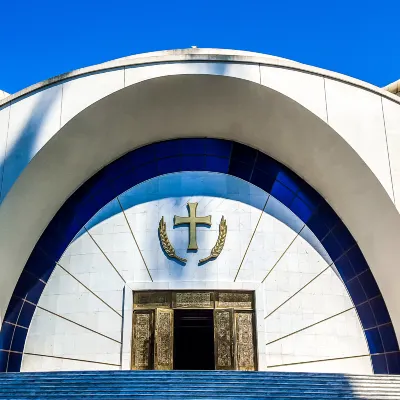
393,87
205,55
3,94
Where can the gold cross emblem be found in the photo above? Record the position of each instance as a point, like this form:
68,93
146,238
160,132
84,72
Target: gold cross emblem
192,220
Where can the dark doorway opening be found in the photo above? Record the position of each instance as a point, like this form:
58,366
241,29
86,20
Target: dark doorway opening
193,339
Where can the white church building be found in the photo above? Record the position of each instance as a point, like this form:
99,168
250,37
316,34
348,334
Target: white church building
200,209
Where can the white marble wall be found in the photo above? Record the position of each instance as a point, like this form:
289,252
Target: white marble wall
80,316
392,126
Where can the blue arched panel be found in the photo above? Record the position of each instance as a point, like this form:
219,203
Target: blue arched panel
202,155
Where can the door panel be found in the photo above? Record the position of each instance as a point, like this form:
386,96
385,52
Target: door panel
245,341
236,300
224,339
142,345
164,339
151,300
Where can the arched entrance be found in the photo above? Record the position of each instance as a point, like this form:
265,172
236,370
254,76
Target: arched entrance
203,155
193,106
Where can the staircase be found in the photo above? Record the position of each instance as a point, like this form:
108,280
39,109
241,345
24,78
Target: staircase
196,385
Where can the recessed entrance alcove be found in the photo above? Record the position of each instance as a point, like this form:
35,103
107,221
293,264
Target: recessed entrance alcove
226,219
194,330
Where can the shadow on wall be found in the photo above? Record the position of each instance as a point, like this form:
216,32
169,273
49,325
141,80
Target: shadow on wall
24,142
21,144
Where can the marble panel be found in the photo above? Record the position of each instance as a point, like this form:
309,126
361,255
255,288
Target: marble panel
110,230
276,229
66,339
33,363
358,365
298,266
306,89
89,264
73,302
323,298
338,337
391,112
357,116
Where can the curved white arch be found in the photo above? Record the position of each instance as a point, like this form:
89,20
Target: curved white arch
200,55
193,106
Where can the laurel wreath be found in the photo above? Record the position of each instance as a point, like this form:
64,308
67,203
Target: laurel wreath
165,243
170,251
216,250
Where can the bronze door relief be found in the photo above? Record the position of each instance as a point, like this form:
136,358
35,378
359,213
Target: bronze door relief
142,340
234,327
244,341
224,339
163,339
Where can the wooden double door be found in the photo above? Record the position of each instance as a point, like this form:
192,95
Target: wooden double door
175,329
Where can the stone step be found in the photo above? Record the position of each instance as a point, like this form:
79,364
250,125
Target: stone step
225,374
200,391
209,389
196,385
136,382
185,379
201,372
163,396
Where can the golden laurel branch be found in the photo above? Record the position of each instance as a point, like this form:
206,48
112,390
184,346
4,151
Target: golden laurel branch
216,250
165,243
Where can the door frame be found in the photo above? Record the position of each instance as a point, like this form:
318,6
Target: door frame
234,300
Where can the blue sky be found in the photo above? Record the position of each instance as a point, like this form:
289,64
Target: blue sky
41,39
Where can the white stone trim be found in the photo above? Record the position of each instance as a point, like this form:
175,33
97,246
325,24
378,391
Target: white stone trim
207,55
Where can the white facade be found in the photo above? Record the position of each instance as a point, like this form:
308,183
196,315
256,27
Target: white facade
339,134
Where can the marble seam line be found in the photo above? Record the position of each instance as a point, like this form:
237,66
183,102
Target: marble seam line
326,102
387,150
105,255
134,239
88,289
321,360
312,280
294,294
252,236
76,323
312,325
16,325
70,359
284,252
12,338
